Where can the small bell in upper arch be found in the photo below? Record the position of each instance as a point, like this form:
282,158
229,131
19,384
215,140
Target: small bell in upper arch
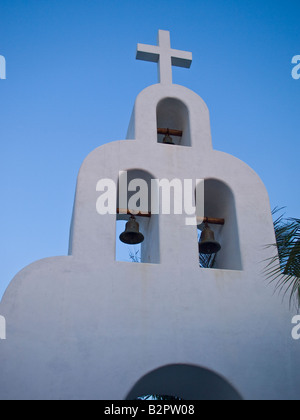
168,139
132,234
208,244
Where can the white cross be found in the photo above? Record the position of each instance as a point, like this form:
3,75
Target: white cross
165,56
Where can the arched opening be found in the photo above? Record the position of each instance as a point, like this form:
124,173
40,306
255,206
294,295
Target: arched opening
134,194
172,114
219,203
186,382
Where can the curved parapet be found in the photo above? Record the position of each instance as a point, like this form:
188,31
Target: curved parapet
173,105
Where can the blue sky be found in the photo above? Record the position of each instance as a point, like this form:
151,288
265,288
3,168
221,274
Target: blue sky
72,80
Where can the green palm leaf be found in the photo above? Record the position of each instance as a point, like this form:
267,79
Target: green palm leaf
284,267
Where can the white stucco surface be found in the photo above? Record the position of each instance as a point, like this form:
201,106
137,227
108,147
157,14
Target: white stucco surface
85,326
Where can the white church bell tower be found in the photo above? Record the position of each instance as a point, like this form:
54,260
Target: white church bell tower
87,326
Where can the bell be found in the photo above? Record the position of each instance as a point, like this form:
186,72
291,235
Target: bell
132,235
208,244
168,139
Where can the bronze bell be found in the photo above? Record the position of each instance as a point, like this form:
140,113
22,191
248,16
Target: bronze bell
168,139
132,234
208,244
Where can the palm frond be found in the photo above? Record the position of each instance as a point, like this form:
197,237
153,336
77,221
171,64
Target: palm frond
284,267
135,256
